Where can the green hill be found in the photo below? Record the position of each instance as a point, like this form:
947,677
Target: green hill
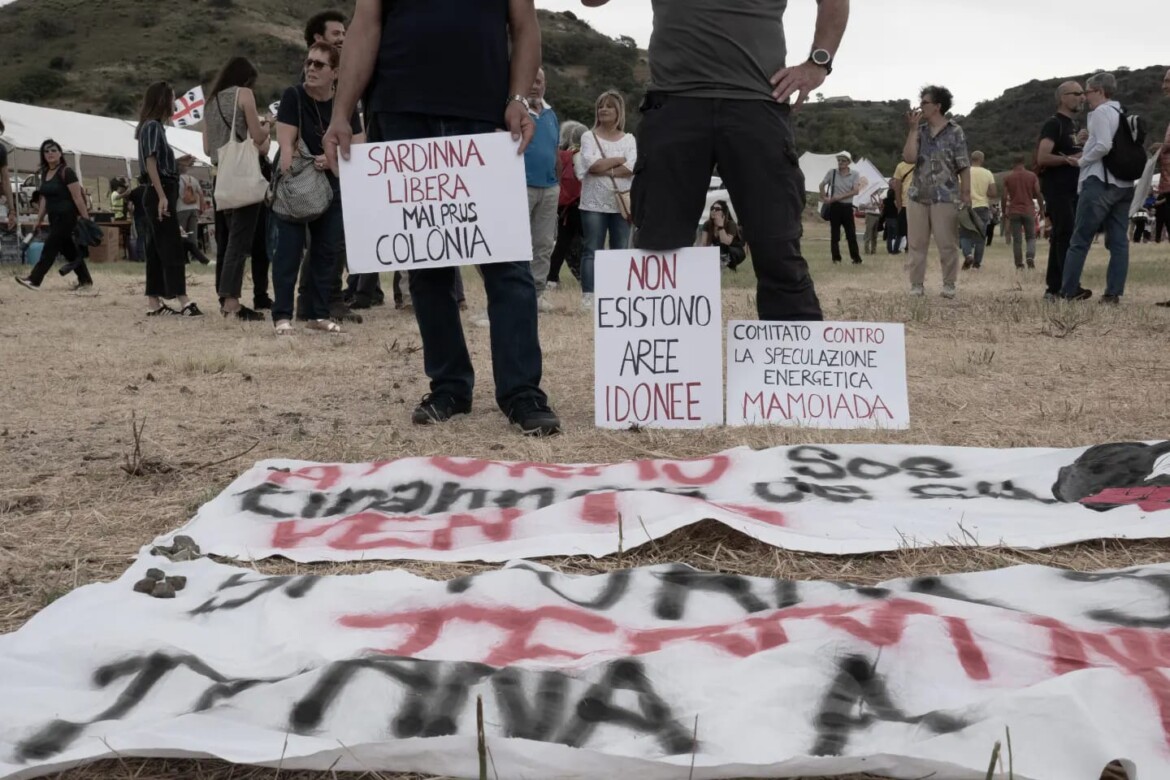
99,57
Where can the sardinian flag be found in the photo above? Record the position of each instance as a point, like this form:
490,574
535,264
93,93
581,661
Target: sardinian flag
189,108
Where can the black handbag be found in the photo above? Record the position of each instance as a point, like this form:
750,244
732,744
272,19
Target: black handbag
87,233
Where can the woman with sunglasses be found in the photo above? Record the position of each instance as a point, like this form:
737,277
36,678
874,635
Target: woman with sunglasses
62,201
166,272
304,115
720,230
232,113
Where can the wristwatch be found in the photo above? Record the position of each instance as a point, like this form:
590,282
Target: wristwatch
518,99
823,58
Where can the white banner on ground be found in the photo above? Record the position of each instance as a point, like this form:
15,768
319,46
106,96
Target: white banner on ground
838,499
435,202
658,339
817,374
639,673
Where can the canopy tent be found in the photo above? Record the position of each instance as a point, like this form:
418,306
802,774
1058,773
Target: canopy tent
94,145
816,166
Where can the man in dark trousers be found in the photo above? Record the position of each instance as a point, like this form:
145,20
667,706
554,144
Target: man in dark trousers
454,68
1055,157
719,95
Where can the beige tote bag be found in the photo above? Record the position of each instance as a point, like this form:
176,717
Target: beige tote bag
238,180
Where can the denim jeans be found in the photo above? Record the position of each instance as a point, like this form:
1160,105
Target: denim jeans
326,236
511,295
596,226
975,244
1100,205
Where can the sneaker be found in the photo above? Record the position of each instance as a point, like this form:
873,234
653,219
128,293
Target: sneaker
968,263
543,304
162,311
857,261
81,288
949,291
1081,295
917,290
1051,297
551,285
534,418
190,310
437,408
24,281
587,301
262,304
244,314
1111,300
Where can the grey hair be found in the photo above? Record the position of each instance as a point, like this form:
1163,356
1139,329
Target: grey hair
1106,82
571,133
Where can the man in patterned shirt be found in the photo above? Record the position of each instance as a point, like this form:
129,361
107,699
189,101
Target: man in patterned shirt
937,148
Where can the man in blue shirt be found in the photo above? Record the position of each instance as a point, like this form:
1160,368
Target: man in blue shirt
544,186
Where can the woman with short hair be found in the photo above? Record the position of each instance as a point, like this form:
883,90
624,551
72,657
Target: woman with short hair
720,230
166,272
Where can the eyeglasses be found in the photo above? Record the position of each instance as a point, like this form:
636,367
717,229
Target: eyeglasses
316,65
1075,94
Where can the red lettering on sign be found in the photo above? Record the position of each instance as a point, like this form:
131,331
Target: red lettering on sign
321,477
375,530
647,470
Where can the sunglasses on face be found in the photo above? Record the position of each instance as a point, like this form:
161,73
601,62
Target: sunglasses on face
316,65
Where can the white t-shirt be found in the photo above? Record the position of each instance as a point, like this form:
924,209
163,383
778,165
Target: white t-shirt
597,191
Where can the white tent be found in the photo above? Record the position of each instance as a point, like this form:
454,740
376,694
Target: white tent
95,145
816,166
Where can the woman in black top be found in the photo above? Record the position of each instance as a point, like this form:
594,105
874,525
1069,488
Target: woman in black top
166,273
890,219
62,201
720,230
304,115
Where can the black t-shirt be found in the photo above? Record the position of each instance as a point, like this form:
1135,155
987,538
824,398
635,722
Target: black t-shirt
3,156
135,198
890,205
1062,131
55,192
314,119
443,59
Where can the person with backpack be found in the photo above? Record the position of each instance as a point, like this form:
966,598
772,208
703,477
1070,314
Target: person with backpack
1113,157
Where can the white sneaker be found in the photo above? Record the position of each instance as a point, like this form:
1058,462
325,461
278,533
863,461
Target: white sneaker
544,305
587,301
917,290
481,320
551,285
948,291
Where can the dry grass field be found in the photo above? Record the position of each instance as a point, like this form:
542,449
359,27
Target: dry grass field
997,367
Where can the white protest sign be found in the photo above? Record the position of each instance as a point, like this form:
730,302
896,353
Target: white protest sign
435,202
817,374
658,339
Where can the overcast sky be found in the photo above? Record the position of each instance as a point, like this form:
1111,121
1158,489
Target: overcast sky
976,49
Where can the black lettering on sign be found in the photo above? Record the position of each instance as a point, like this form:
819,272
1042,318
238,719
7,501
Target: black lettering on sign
617,583
1160,583
800,490
294,588
677,585
857,699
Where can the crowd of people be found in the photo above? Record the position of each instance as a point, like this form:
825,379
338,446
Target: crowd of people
415,70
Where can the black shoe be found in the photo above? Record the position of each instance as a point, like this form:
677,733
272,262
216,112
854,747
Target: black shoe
162,311
534,418
437,408
190,310
968,265
1163,304
1111,300
857,261
244,314
24,281
1031,264
262,304
359,302
1081,295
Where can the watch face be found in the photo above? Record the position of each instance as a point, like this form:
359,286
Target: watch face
821,57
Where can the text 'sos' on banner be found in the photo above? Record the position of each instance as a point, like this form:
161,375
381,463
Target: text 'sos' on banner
658,339
817,375
435,202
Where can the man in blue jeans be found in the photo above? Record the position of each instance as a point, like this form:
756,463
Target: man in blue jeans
438,69
1103,200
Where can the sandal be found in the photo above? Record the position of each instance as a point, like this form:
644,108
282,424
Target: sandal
284,328
325,326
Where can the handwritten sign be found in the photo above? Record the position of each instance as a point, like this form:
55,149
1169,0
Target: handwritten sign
658,339
435,202
820,375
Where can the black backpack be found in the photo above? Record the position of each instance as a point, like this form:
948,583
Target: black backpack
1127,160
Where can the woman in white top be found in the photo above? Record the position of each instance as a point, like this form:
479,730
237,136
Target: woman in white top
605,167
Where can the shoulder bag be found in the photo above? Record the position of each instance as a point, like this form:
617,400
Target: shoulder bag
624,205
826,207
302,193
238,180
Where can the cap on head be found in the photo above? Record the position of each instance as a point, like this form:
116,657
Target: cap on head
844,156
